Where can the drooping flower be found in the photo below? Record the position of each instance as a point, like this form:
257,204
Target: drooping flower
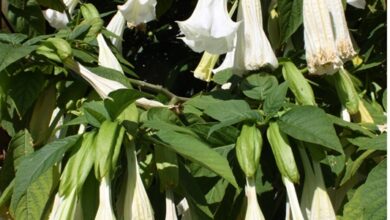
253,49
138,11
253,211
209,28
170,209
59,20
136,203
106,57
183,209
105,211
357,3
64,207
292,199
117,27
343,40
321,51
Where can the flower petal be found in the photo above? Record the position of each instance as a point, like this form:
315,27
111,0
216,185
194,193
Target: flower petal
138,11
357,3
117,27
106,57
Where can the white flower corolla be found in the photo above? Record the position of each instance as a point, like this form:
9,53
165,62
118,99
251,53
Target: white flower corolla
321,51
357,3
138,11
170,209
253,49
102,86
183,209
106,57
209,28
105,211
117,27
228,62
293,199
253,211
345,114
343,40
64,207
136,204
59,20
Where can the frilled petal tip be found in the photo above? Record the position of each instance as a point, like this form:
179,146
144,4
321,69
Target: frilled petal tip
117,27
138,11
323,62
56,19
209,28
357,3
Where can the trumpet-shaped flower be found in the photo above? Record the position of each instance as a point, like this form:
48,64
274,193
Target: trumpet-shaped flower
293,199
205,67
170,209
343,40
253,211
102,85
357,3
59,20
106,57
138,11
117,27
183,209
209,28
64,207
105,211
253,49
321,51
137,204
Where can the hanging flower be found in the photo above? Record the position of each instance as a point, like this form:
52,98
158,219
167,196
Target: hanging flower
357,3
170,209
292,199
105,211
138,11
209,28
253,211
106,57
343,40
321,51
117,27
253,49
64,207
59,20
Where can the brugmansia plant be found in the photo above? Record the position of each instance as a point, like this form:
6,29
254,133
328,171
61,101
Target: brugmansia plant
201,109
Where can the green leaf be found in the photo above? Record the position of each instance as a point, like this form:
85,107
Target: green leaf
310,124
375,191
352,126
120,100
217,192
34,165
353,210
352,166
162,125
227,110
24,90
95,113
11,53
275,100
27,18
245,116
32,204
375,143
57,5
13,38
199,152
258,86
290,14
21,145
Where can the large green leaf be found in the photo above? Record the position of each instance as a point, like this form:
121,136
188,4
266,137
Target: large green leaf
310,124
369,201
199,152
290,14
11,53
24,90
32,204
375,143
352,126
120,100
275,100
258,86
21,145
228,110
34,165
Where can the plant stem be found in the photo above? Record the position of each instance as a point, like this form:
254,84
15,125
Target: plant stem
158,88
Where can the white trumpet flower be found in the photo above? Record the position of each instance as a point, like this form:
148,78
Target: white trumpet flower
170,209
106,57
101,85
209,28
183,209
321,51
357,3
137,204
59,20
138,11
64,207
117,27
343,40
253,49
293,199
253,211
105,211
